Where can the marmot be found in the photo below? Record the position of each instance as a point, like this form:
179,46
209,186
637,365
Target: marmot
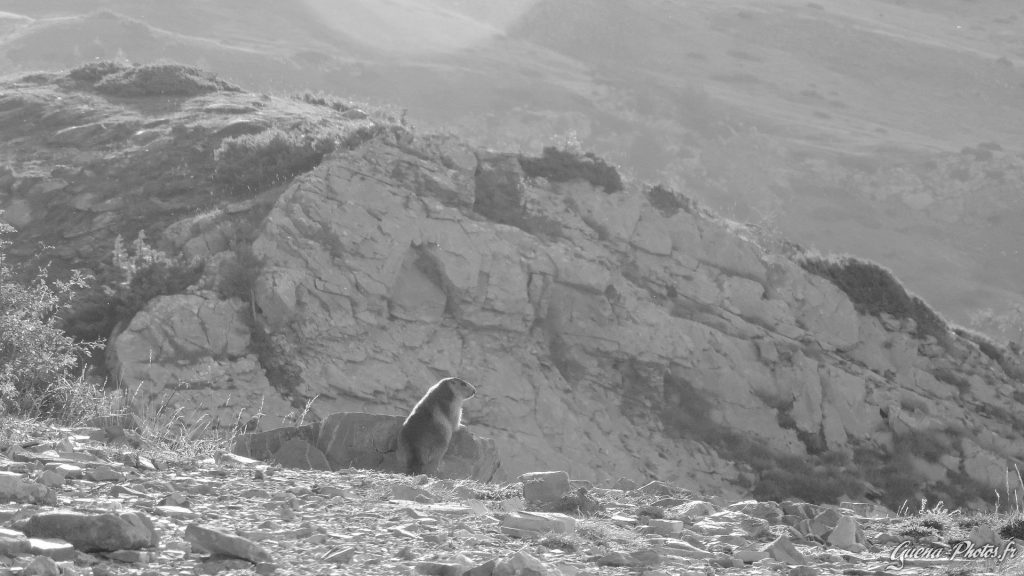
425,434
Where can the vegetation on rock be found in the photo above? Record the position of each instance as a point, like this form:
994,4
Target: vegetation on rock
501,197
564,165
668,202
874,290
251,162
139,274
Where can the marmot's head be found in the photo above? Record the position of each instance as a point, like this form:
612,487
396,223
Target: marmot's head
458,387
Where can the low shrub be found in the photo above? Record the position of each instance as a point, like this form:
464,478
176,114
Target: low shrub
327,100
239,275
896,483
987,346
252,162
669,202
39,363
563,165
500,194
874,290
276,355
1013,527
140,273
1007,356
795,476
931,445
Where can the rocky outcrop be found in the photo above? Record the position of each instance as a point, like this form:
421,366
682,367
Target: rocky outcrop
625,334
606,335
356,440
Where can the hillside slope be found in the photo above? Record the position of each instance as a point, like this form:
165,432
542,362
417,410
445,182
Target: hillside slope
612,331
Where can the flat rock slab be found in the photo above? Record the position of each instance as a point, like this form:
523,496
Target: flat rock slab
219,543
359,440
13,542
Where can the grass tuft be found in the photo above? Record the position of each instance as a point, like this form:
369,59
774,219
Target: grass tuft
40,365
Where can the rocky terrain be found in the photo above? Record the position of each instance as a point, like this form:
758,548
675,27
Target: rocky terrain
310,257
83,502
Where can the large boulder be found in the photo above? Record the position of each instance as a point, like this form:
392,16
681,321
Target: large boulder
359,440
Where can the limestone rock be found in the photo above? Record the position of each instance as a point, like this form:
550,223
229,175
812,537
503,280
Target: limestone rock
867,509
652,233
666,527
543,488
539,522
54,548
683,549
439,569
844,535
42,566
981,464
769,511
411,493
218,542
520,564
292,446
825,521
359,440
818,305
783,550
694,510
19,489
201,345
12,542
354,439
95,532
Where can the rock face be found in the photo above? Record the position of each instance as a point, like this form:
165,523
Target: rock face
357,440
608,335
192,352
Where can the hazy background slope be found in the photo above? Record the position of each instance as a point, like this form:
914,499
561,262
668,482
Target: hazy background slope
891,130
